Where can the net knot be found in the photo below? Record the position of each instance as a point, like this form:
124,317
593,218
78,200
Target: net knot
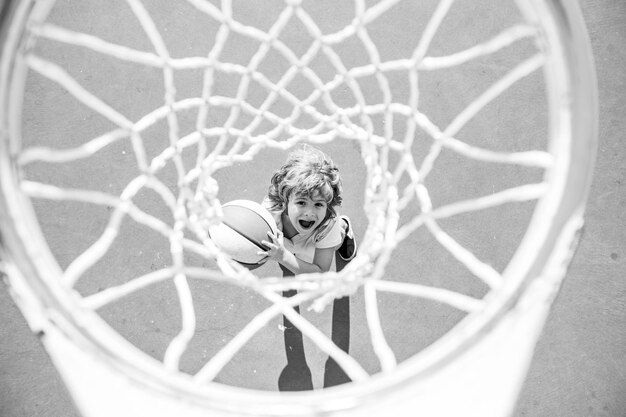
205,208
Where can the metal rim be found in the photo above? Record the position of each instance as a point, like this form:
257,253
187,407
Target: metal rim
574,57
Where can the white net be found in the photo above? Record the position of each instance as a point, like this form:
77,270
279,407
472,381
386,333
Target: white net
387,126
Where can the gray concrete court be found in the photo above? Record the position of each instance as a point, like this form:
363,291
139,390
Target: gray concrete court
579,369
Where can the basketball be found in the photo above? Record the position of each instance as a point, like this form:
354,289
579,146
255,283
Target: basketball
244,226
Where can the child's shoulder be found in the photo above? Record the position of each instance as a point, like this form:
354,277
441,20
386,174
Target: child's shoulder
266,203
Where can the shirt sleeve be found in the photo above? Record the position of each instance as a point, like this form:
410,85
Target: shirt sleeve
333,238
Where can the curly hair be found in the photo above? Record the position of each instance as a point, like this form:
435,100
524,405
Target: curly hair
306,172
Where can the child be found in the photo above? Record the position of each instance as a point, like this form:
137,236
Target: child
302,197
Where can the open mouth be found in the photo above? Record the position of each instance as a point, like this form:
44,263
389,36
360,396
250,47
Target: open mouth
306,224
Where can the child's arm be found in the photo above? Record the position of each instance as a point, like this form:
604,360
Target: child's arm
322,259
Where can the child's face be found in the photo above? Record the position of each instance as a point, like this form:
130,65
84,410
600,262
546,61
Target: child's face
306,213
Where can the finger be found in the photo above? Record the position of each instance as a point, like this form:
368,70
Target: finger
268,244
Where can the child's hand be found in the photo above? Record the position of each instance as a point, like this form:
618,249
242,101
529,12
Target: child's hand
276,246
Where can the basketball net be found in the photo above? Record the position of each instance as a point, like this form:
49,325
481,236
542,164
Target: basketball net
475,369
